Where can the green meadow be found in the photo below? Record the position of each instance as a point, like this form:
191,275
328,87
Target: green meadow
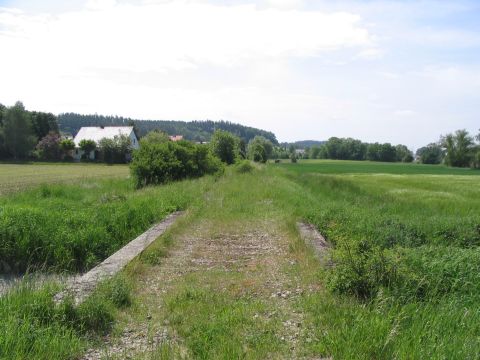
402,280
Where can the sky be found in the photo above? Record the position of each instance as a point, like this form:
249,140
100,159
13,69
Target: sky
377,70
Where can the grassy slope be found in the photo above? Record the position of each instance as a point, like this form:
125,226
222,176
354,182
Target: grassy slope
17,177
213,310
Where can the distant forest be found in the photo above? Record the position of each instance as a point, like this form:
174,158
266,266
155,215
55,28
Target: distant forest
303,144
192,130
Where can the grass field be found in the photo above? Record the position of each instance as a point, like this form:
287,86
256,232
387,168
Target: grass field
233,279
17,177
370,167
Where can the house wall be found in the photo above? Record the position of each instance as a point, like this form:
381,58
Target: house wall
134,140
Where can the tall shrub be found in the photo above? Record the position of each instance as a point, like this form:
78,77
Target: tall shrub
158,163
259,149
49,147
225,146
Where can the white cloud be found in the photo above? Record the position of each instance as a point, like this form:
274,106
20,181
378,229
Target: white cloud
176,35
404,113
370,54
296,67
285,4
100,4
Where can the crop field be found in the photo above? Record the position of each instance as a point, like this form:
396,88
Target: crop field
233,279
17,177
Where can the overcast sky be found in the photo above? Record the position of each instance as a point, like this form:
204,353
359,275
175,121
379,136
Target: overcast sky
390,71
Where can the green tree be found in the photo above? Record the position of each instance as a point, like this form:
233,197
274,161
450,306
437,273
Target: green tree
43,124
2,111
458,148
225,146
3,149
242,146
67,146
430,154
314,152
260,149
293,157
87,146
476,156
155,136
403,154
381,152
116,150
18,135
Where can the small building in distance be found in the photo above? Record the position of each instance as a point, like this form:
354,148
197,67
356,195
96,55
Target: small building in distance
176,137
102,132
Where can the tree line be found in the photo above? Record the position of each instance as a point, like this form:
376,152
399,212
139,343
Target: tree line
458,149
32,135
23,133
348,149
36,135
198,131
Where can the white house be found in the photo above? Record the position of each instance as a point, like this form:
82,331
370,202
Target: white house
98,133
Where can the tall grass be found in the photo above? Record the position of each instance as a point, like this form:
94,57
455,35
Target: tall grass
74,227
32,326
406,251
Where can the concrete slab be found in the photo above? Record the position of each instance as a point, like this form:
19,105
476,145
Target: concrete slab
80,287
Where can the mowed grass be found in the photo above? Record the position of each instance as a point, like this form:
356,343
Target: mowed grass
18,177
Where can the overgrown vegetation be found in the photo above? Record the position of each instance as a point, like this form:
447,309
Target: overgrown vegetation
32,326
74,227
161,162
404,283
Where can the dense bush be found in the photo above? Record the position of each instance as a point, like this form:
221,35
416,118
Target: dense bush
225,146
115,151
259,149
430,154
49,147
159,163
244,167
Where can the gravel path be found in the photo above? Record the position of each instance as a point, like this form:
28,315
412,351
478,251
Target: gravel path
201,247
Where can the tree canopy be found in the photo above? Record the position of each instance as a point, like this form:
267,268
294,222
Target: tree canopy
225,146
